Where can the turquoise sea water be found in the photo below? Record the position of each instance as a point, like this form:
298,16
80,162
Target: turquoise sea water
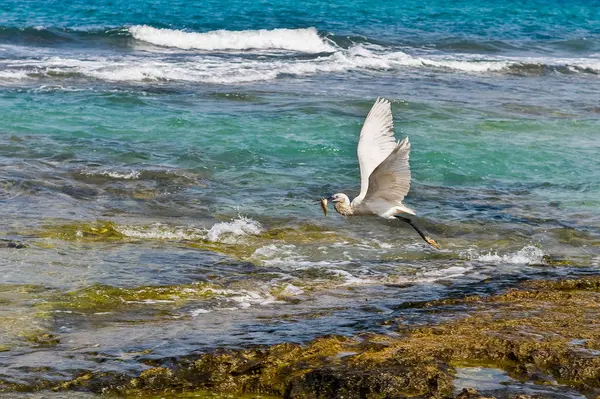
162,159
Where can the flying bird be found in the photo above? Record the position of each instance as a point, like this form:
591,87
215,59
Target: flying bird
384,172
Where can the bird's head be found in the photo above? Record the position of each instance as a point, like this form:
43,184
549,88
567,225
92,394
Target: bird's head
339,197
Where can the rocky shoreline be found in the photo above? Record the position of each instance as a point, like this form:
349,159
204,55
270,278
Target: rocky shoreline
544,334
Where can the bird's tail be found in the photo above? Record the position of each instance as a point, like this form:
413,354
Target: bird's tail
404,209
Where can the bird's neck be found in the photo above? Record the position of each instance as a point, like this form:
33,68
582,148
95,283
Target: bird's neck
344,208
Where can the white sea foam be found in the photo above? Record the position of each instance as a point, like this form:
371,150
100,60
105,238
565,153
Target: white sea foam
525,256
451,272
11,75
431,276
132,175
303,40
199,311
273,251
350,279
161,232
291,290
235,68
228,231
242,298
152,301
236,299
466,65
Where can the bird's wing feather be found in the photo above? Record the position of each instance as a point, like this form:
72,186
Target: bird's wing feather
376,142
390,181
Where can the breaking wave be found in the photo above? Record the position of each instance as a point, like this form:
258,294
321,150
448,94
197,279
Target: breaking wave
304,40
525,256
161,232
240,68
226,232
233,57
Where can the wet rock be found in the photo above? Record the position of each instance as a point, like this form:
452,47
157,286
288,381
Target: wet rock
468,393
44,339
98,231
79,192
12,244
344,383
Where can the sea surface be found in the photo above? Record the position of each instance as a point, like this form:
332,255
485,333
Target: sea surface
161,161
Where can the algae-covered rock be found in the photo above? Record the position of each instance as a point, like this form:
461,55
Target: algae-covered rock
576,238
534,333
154,377
238,244
104,298
12,244
19,321
98,231
527,332
44,339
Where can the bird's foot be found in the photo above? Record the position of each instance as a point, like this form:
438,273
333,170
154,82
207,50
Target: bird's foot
432,242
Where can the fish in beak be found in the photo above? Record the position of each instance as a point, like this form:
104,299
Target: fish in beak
324,202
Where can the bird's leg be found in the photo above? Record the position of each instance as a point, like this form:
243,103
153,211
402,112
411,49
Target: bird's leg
428,240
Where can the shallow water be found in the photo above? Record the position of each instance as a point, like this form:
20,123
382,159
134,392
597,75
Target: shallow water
165,180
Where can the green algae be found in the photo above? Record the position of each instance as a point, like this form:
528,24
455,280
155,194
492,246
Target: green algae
243,248
526,332
19,319
240,251
200,394
100,298
554,262
98,231
76,382
43,339
303,235
13,244
576,238
7,289
247,246
103,298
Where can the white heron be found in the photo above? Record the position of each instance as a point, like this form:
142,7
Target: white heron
384,172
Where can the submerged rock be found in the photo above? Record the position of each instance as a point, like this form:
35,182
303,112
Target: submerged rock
98,231
12,244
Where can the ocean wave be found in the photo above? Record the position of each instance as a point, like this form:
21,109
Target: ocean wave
432,276
304,40
239,299
525,256
272,252
13,75
351,279
225,232
242,68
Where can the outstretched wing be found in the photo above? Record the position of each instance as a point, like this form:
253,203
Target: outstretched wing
390,181
376,142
